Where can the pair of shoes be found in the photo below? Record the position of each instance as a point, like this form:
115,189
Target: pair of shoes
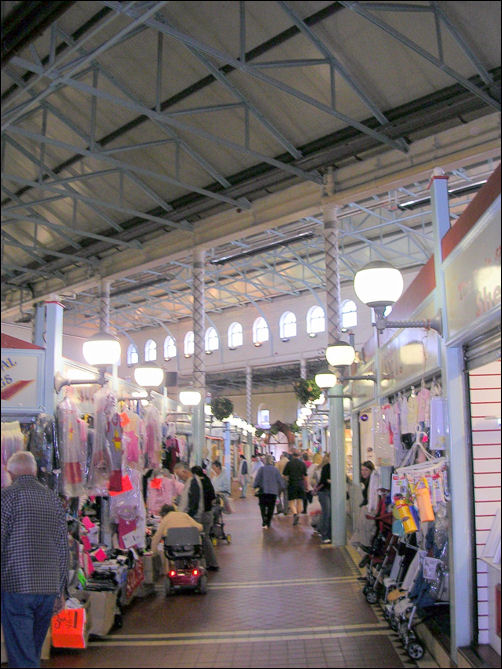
265,527
326,541
211,568
304,513
243,497
295,519
364,561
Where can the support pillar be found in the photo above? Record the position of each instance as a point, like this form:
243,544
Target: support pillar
199,368
53,351
461,530
335,394
249,411
228,464
356,495
39,325
305,432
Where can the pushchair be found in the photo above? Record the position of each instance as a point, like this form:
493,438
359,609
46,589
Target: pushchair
217,532
187,569
428,598
381,553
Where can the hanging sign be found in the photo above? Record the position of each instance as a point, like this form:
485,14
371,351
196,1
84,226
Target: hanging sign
22,380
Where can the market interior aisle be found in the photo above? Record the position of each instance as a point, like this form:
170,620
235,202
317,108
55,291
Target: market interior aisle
279,600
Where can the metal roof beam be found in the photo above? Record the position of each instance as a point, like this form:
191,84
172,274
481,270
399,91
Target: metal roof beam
254,72
97,155
13,113
68,188
358,9
221,77
335,62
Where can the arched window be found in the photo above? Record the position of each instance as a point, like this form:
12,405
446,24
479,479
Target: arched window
260,331
235,335
212,340
264,418
132,355
349,314
316,320
287,325
169,348
150,351
188,344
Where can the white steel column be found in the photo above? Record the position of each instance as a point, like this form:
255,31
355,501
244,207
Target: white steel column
461,530
335,394
249,410
305,432
199,368
53,351
39,325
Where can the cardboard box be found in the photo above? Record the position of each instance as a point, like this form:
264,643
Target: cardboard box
102,611
152,567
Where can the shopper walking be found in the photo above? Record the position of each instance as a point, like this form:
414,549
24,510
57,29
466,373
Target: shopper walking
256,464
35,561
283,496
324,494
220,479
307,499
243,475
269,483
296,473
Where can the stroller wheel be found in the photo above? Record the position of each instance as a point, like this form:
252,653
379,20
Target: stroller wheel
229,538
214,541
415,650
203,585
371,597
394,623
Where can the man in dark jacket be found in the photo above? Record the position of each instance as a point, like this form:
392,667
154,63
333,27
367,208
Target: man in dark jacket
296,473
207,517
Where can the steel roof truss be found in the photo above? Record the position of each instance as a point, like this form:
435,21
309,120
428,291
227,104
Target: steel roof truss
487,99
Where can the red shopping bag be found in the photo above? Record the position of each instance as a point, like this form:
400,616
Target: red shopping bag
68,629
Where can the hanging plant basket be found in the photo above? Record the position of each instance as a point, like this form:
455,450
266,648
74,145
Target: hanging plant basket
307,390
221,407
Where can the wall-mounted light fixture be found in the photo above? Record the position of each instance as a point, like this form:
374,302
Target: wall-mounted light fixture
379,285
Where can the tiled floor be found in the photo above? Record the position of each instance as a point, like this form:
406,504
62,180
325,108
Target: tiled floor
280,599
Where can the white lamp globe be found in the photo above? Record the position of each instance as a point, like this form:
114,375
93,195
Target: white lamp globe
149,375
190,398
325,379
101,349
340,354
379,284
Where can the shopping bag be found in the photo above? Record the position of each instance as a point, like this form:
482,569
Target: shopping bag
68,629
423,501
405,515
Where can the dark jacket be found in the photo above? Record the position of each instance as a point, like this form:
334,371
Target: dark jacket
324,484
208,491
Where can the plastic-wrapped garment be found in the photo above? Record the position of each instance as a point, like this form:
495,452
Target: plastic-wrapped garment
73,445
114,438
12,441
439,424
43,443
424,406
127,511
162,490
153,428
131,439
101,460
